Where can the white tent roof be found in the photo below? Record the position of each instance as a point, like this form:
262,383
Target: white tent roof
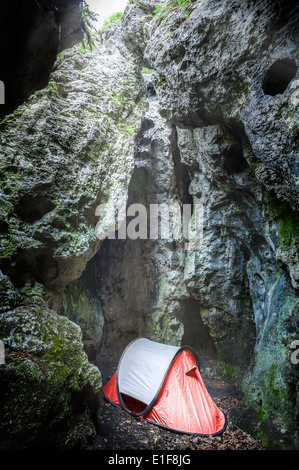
142,368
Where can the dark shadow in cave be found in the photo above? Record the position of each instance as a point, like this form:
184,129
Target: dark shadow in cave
196,334
278,76
32,208
183,179
126,271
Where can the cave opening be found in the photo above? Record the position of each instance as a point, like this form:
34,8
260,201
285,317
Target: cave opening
121,287
128,277
278,76
121,281
32,208
234,161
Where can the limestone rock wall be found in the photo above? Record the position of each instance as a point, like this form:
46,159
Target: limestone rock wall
225,85
65,150
50,393
31,35
214,124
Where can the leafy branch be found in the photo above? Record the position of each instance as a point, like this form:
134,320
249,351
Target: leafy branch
160,11
111,19
88,17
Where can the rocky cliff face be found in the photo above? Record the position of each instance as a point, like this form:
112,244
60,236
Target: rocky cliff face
221,131
213,125
32,33
68,148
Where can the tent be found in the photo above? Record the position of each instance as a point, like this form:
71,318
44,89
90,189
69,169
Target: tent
163,385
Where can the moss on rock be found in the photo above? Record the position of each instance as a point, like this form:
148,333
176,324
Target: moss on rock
48,386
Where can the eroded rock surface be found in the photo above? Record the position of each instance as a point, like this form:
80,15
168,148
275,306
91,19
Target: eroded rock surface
31,35
225,82
214,125
50,393
66,150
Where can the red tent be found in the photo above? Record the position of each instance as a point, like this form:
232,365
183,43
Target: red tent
163,385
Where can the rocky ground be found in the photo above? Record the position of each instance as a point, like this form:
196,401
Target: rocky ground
119,431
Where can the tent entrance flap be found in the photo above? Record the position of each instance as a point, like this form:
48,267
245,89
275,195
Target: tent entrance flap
142,368
135,406
163,384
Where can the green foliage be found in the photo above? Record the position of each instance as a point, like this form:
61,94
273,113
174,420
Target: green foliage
224,370
52,85
280,110
146,70
156,10
271,399
111,19
88,15
4,120
295,132
8,247
82,48
88,18
118,98
180,3
287,219
160,11
125,129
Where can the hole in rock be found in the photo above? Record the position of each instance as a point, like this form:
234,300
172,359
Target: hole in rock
30,209
129,289
233,157
151,90
30,268
125,291
146,125
4,227
44,268
234,162
21,273
278,76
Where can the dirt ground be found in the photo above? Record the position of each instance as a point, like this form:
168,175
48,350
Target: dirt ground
117,430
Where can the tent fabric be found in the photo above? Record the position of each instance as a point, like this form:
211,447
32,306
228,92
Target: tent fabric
142,368
176,398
